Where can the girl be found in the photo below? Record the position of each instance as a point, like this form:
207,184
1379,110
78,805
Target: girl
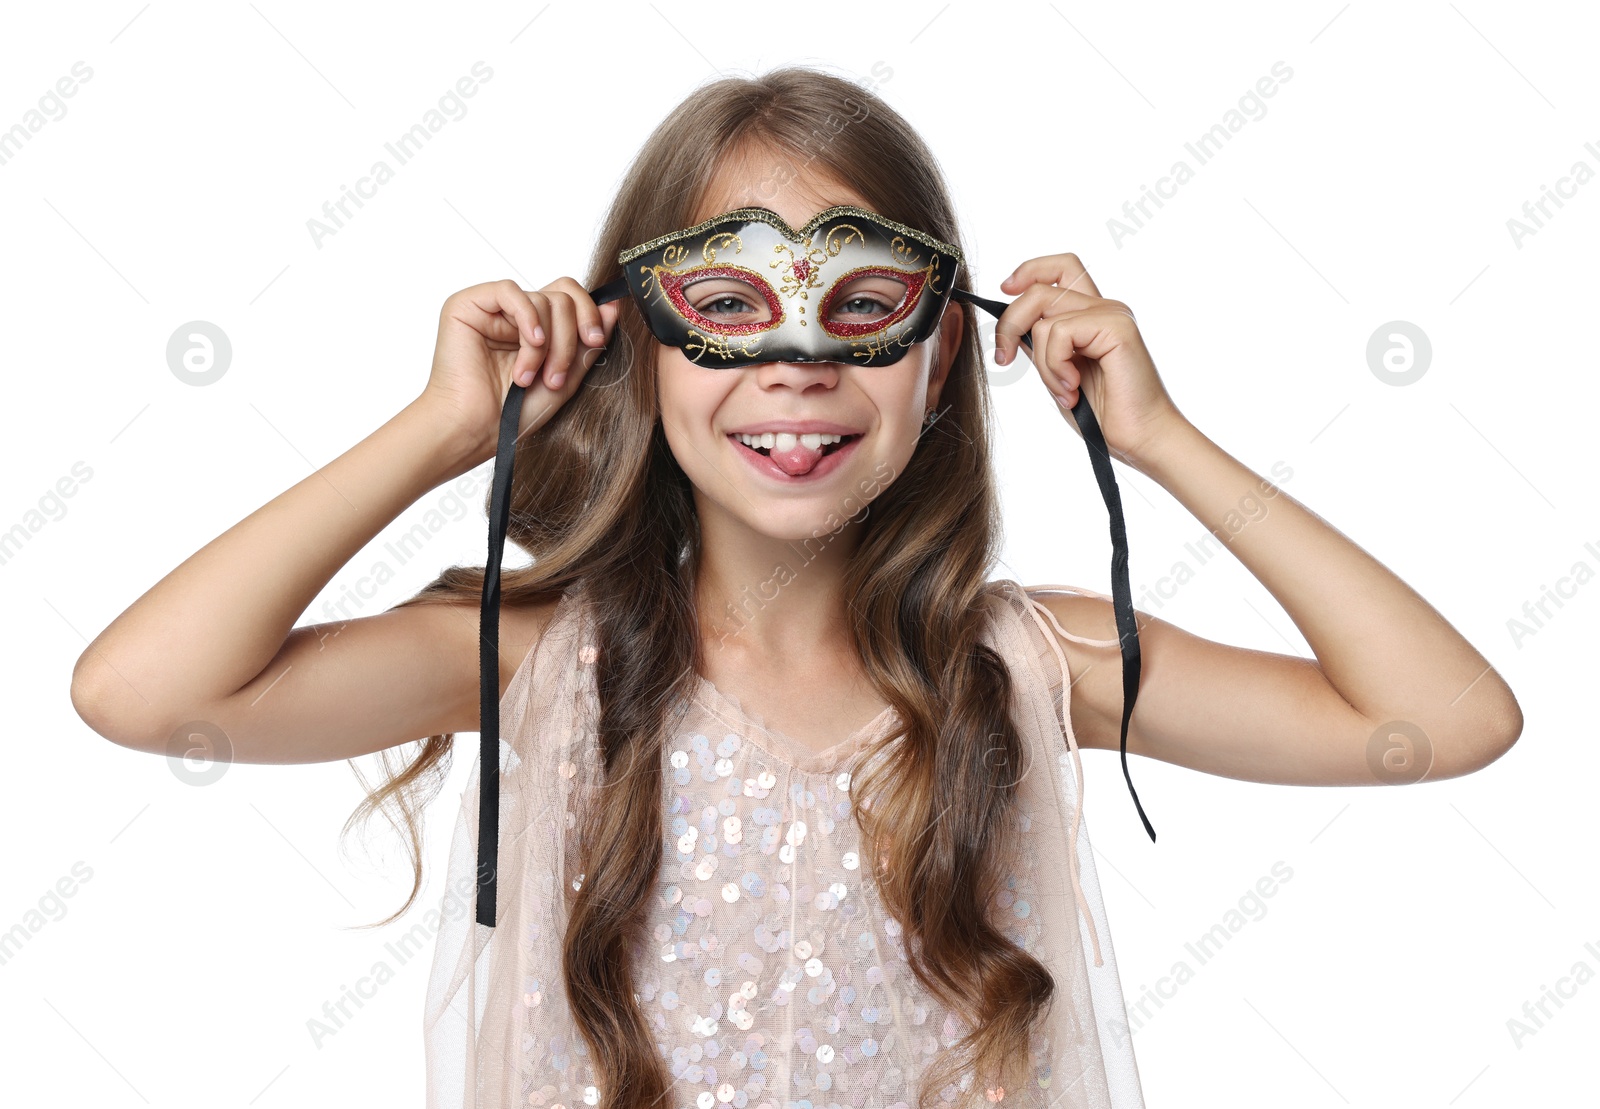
791,808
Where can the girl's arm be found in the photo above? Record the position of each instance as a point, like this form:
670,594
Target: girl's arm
1383,654
1395,693
213,642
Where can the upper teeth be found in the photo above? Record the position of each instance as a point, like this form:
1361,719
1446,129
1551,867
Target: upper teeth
785,440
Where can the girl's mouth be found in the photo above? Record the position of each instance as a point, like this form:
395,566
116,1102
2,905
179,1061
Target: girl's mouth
799,463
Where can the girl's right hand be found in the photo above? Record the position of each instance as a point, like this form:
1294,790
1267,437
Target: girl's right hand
495,333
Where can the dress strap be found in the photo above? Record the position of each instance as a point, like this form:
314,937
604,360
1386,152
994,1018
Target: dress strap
1059,629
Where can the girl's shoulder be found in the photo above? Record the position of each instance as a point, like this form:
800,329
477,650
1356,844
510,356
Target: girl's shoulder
1088,616
521,628
1086,675
525,625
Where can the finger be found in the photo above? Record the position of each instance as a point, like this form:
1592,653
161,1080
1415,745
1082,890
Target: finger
1089,335
536,351
588,356
1064,270
563,339
1016,321
1052,354
1035,302
609,312
516,305
591,329
500,310
531,335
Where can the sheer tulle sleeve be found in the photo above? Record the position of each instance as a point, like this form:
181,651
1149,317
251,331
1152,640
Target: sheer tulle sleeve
1056,669
1077,945
495,1006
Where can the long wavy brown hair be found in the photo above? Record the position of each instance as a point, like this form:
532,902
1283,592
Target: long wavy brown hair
599,513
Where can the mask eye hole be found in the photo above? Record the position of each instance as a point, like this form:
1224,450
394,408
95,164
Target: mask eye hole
728,300
870,299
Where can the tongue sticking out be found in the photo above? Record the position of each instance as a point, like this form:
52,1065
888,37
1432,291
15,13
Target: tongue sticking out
800,459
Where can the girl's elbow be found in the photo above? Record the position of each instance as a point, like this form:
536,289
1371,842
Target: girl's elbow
1468,756
97,697
1484,738
1508,728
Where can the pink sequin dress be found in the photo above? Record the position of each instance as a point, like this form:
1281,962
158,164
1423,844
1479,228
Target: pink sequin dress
771,975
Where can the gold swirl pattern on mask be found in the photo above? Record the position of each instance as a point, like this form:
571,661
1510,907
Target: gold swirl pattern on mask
726,347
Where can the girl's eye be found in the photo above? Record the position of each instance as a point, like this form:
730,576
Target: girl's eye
710,307
726,300
871,305
868,300
730,306
860,305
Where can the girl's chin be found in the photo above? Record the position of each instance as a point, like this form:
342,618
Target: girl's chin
799,523
826,528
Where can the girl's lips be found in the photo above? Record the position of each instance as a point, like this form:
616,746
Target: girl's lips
764,465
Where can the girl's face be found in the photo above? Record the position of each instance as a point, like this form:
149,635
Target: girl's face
879,410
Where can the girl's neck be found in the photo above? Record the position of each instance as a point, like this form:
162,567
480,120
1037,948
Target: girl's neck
770,598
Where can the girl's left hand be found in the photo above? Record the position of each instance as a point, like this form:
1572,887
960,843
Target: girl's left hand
1083,341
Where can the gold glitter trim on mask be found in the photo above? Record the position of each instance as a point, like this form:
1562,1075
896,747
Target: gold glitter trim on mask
767,216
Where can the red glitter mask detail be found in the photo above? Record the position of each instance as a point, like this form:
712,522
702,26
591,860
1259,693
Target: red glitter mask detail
908,303
673,283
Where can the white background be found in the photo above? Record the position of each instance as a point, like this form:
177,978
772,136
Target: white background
1377,187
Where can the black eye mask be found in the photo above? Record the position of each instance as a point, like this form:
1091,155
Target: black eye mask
745,288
